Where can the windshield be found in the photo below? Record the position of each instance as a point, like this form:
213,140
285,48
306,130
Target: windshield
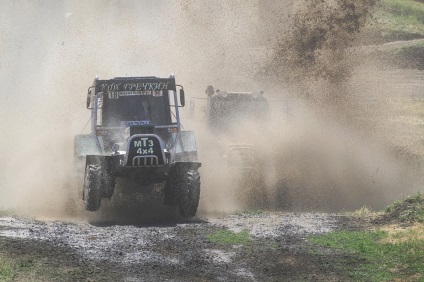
147,107
230,111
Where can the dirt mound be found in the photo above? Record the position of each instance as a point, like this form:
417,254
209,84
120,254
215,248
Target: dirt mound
409,209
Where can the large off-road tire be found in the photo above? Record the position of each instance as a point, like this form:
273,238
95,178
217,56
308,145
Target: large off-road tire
250,190
188,192
108,183
92,182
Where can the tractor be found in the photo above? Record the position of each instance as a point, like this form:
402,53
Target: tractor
235,121
136,133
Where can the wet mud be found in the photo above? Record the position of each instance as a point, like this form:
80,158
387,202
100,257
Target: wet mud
140,251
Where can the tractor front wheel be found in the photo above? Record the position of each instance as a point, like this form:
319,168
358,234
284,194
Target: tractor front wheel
189,192
92,182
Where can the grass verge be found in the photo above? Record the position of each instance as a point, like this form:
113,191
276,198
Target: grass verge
11,269
27,269
400,17
380,257
27,260
409,209
400,22
392,252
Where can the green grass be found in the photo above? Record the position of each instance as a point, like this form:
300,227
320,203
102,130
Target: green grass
409,209
402,16
230,237
374,258
28,268
7,271
387,254
10,269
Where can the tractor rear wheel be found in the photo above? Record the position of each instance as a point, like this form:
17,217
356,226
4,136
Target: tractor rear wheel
188,192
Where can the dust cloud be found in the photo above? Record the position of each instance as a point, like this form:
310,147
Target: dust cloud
321,154
337,153
52,50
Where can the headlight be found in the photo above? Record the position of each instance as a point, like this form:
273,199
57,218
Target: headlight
169,144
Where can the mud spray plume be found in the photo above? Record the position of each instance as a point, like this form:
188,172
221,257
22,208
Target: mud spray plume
336,154
332,154
317,40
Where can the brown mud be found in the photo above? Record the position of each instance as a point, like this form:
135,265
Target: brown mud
106,251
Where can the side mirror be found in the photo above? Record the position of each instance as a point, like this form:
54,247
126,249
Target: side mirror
89,96
88,101
182,97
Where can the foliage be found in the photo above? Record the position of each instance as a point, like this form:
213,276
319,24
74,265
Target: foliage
9,268
365,211
405,16
374,259
409,209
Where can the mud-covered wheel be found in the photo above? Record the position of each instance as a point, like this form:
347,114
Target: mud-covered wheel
108,183
189,192
92,193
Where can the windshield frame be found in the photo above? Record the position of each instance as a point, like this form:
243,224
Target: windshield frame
117,101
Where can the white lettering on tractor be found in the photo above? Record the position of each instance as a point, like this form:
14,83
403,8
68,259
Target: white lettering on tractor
146,86
141,143
110,87
145,146
140,88
145,151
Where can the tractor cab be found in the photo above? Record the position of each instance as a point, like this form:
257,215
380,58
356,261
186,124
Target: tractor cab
227,110
126,106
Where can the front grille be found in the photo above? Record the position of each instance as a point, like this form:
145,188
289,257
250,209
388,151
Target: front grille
147,161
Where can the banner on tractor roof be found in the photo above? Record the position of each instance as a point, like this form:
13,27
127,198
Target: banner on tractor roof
136,86
117,94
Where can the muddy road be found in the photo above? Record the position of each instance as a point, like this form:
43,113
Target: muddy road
268,247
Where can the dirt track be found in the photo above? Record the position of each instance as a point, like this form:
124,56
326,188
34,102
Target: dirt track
178,250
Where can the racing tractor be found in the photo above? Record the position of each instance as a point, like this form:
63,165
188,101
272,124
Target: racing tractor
237,122
136,133
229,116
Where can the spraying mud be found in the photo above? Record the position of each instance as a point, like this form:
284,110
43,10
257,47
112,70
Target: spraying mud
330,138
338,153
